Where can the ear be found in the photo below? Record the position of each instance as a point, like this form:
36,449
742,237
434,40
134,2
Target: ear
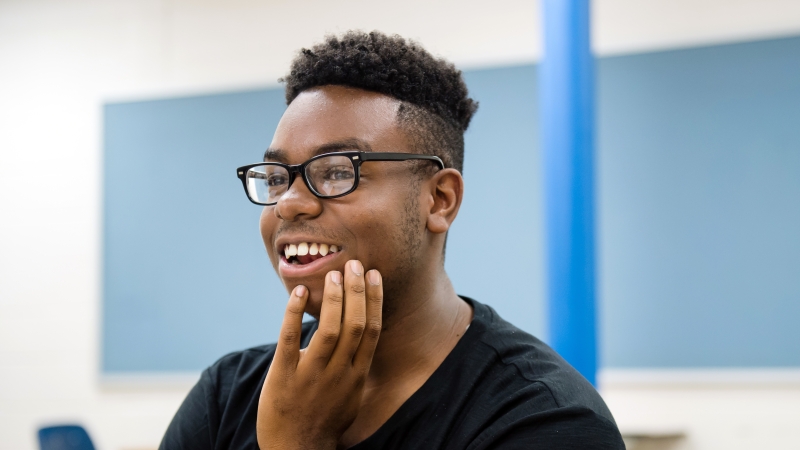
447,191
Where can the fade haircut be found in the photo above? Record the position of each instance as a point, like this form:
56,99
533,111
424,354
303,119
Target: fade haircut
435,110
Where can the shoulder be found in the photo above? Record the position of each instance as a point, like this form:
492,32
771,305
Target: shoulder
537,399
569,427
540,366
235,362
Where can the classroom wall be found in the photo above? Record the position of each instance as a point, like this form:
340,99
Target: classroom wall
59,62
697,180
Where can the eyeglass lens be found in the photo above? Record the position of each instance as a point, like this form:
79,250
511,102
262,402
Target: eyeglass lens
329,176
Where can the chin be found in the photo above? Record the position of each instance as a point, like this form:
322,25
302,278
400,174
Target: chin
313,307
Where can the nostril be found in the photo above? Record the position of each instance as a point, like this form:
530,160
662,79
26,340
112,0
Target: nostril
297,202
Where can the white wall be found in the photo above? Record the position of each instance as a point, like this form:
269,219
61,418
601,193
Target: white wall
59,61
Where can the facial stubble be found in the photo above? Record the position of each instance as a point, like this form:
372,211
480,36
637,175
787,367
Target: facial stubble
408,240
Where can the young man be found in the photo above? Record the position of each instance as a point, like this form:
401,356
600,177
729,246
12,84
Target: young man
360,185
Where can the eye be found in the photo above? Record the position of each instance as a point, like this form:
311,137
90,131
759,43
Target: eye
339,173
277,179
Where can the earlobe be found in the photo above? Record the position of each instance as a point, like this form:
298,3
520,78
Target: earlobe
447,191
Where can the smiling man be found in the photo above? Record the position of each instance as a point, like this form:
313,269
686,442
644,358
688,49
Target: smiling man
360,185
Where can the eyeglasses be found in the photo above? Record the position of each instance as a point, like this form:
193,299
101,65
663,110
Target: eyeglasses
329,175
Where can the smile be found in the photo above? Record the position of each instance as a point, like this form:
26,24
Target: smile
303,253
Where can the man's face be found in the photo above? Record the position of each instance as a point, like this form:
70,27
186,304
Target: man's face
380,224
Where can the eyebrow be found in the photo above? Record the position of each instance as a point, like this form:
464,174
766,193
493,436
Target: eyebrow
280,155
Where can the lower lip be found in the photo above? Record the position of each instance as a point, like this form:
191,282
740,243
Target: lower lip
289,270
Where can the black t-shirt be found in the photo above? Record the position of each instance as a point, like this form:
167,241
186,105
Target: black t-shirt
499,388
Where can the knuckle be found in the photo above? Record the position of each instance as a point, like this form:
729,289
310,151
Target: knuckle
334,297
290,336
328,337
356,328
294,308
373,329
357,288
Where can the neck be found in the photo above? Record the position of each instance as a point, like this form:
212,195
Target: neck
427,321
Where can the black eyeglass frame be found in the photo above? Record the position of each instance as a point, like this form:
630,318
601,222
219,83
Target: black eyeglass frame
356,158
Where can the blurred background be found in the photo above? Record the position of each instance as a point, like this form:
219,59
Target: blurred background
130,258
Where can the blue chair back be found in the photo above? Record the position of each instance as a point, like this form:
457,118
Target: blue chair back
64,437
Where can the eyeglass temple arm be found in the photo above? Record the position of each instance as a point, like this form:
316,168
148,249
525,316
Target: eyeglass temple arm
366,156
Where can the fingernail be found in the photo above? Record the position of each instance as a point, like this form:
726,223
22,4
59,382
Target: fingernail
336,277
300,291
356,268
374,277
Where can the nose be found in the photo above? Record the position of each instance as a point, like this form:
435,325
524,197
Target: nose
298,202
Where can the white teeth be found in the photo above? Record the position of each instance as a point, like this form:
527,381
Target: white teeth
302,249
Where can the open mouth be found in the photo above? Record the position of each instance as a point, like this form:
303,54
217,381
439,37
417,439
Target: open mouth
307,252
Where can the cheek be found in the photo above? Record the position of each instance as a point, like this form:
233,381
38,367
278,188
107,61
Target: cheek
383,230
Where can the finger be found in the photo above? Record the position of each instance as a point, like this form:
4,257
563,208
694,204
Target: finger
287,351
330,320
374,323
354,313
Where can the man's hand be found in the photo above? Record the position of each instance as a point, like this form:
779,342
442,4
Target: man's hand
311,396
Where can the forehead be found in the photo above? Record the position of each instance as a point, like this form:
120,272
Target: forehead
327,115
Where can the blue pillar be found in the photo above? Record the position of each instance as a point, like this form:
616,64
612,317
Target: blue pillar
567,110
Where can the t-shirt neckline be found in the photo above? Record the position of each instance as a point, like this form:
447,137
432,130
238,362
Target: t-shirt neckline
419,398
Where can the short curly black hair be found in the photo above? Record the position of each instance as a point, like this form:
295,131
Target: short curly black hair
434,108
